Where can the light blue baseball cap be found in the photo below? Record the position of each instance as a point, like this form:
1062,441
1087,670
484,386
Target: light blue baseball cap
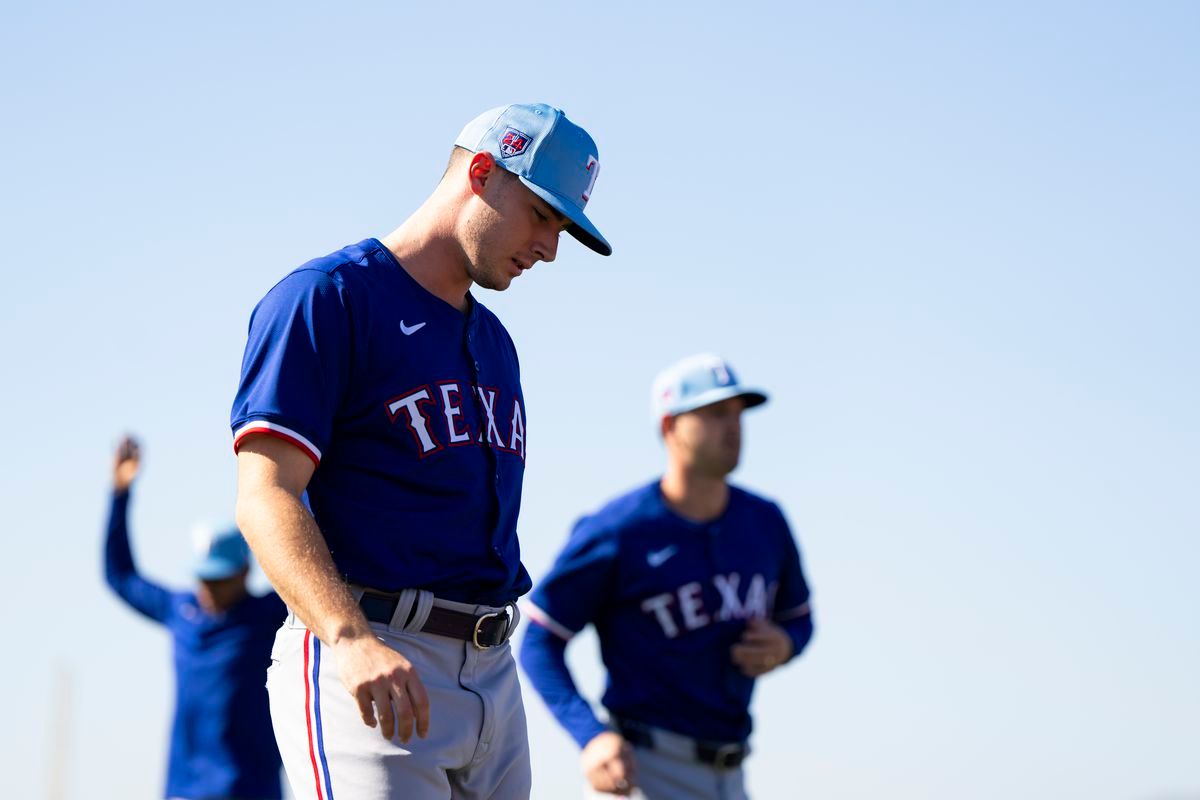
696,381
551,155
223,555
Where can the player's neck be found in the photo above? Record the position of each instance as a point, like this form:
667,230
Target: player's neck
699,498
429,253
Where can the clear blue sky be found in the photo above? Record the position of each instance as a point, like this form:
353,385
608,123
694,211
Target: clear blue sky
958,244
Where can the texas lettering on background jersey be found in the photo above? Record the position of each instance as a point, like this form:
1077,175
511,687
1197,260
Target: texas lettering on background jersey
435,417
684,608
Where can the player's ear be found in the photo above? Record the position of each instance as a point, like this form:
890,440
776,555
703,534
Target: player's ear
481,170
666,425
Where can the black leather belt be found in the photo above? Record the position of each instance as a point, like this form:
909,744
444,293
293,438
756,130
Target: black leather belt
481,630
717,754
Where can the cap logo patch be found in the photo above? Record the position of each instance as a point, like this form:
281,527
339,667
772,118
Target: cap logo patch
721,373
513,142
593,171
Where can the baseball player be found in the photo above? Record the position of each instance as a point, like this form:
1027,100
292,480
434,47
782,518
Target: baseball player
695,589
221,741
374,381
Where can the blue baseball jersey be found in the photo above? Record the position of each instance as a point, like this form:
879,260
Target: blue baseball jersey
668,598
222,742
411,411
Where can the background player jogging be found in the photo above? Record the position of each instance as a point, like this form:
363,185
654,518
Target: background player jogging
695,589
221,741
373,380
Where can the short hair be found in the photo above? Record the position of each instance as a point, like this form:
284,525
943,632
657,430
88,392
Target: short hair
456,156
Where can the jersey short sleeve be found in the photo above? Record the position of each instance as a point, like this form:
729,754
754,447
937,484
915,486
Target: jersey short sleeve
791,601
580,581
296,364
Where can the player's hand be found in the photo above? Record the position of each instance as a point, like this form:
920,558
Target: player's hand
386,686
609,765
763,647
126,463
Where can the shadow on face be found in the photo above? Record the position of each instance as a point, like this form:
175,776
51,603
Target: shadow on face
707,440
508,229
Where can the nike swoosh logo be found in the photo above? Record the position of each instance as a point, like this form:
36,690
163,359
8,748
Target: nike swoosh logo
656,558
410,330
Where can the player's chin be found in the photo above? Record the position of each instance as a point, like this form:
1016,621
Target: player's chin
496,281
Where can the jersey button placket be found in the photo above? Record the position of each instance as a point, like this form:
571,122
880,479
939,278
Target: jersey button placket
473,359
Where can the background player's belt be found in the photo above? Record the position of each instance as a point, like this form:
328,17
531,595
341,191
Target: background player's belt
718,754
481,630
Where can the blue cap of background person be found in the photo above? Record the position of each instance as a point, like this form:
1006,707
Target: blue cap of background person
220,553
551,155
697,381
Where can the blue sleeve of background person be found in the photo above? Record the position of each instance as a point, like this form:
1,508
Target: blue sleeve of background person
580,581
544,658
297,359
792,611
565,601
119,570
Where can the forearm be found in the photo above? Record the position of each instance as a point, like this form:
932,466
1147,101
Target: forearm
543,656
118,558
293,554
121,573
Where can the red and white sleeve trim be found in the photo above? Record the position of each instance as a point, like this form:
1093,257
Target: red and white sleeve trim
262,427
548,622
801,610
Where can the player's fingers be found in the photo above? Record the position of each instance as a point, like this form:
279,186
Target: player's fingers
419,699
769,646
629,768
365,707
599,779
383,710
631,765
753,661
617,776
757,648
745,653
759,634
404,715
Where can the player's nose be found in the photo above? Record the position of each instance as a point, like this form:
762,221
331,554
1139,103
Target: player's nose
546,248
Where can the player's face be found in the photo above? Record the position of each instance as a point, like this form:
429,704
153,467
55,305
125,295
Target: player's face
223,593
509,230
709,440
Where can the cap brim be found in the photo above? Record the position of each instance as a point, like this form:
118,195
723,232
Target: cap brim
753,397
581,228
216,569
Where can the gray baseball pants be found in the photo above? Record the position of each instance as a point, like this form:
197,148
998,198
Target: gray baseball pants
477,748
669,771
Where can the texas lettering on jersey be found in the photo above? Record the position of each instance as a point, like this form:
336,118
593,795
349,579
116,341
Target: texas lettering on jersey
434,415
684,608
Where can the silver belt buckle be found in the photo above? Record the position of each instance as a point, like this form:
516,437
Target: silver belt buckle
509,611
478,627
